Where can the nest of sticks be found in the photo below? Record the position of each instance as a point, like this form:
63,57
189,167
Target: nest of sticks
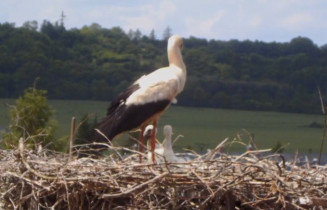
254,180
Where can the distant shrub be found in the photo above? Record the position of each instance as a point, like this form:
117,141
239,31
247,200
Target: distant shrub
32,119
278,148
315,125
85,130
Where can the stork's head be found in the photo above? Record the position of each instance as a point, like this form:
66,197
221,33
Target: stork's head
148,131
168,131
175,41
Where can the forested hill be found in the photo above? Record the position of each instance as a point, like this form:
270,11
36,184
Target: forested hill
95,63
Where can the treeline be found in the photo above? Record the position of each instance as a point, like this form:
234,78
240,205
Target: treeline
96,63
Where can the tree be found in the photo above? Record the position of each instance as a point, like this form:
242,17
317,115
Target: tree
152,35
31,25
31,118
62,18
137,35
130,34
52,30
134,35
167,33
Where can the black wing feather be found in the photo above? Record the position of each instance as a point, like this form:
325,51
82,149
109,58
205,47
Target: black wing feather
122,98
121,118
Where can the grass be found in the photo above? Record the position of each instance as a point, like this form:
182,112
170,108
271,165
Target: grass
204,128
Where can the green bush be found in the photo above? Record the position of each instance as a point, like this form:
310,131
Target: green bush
32,119
85,129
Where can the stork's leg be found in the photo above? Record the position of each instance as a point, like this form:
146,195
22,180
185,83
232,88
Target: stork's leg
141,143
153,139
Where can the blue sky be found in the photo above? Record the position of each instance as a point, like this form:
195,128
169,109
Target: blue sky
263,20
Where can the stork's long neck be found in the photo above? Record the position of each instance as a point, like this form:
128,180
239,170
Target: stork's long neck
167,143
175,57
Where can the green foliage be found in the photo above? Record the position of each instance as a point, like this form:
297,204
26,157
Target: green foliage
85,130
278,148
31,118
96,63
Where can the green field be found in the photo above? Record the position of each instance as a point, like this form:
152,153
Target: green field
204,128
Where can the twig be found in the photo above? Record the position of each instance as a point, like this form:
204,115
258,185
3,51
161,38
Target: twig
72,137
252,152
135,188
28,180
323,109
28,167
204,183
212,153
109,143
177,138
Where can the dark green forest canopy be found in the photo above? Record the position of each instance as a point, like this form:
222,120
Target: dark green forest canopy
96,63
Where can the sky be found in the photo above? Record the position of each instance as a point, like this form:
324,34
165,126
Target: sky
262,20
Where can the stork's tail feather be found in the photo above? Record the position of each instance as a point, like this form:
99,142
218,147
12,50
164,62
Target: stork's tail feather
104,131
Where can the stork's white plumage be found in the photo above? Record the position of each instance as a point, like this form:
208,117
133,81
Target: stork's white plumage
165,150
168,151
147,98
147,133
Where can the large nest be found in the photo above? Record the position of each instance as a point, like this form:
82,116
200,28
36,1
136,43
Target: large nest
254,180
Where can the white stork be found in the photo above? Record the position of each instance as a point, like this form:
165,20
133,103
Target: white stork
147,98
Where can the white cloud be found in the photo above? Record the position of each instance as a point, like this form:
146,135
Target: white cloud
204,27
166,9
255,21
149,17
297,21
145,17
